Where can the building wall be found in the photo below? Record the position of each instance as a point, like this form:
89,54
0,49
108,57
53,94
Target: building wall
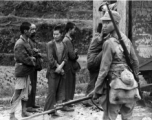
122,8
96,14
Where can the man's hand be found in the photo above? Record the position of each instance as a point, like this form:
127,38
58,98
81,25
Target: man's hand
76,51
33,59
62,72
41,60
58,69
35,50
93,95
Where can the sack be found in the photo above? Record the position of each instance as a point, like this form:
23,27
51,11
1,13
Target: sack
119,84
76,66
22,70
124,89
127,77
120,96
38,66
126,81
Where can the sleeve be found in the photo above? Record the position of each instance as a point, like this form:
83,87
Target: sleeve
21,55
51,60
41,44
95,46
94,43
66,55
104,66
134,59
71,53
92,46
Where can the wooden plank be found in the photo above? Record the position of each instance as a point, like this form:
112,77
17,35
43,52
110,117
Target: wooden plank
122,8
147,87
141,13
96,14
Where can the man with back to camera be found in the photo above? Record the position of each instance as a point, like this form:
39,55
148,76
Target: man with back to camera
94,54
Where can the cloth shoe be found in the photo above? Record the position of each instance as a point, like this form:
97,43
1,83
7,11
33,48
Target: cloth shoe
55,114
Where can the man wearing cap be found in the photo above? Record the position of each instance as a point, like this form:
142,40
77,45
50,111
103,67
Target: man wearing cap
94,54
112,64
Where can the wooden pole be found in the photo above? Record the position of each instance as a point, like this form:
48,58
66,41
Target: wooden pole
96,14
123,9
58,107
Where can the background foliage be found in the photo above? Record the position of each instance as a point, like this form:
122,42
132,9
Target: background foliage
45,14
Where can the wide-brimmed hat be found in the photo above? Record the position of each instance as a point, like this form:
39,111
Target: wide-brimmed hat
115,15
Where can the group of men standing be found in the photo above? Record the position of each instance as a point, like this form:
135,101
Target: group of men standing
105,61
61,69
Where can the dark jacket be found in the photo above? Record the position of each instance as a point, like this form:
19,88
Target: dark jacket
22,55
52,56
72,56
20,51
93,57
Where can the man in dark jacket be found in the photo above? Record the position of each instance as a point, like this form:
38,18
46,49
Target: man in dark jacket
57,59
94,54
33,77
23,57
72,59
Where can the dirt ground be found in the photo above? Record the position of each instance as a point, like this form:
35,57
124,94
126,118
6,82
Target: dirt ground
81,113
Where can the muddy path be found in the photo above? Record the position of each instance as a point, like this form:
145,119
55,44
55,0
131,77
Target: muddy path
82,113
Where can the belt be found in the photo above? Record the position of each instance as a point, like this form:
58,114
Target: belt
117,67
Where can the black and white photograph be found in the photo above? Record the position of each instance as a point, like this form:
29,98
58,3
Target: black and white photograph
75,60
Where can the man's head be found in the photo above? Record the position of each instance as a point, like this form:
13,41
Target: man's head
33,30
25,29
107,23
58,33
70,28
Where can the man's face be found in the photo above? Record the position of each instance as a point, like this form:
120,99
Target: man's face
72,32
27,33
32,31
57,35
107,26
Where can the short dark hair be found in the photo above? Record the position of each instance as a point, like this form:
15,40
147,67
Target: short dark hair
69,26
24,26
59,28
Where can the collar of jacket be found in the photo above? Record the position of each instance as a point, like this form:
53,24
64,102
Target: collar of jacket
114,34
108,36
23,38
68,36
